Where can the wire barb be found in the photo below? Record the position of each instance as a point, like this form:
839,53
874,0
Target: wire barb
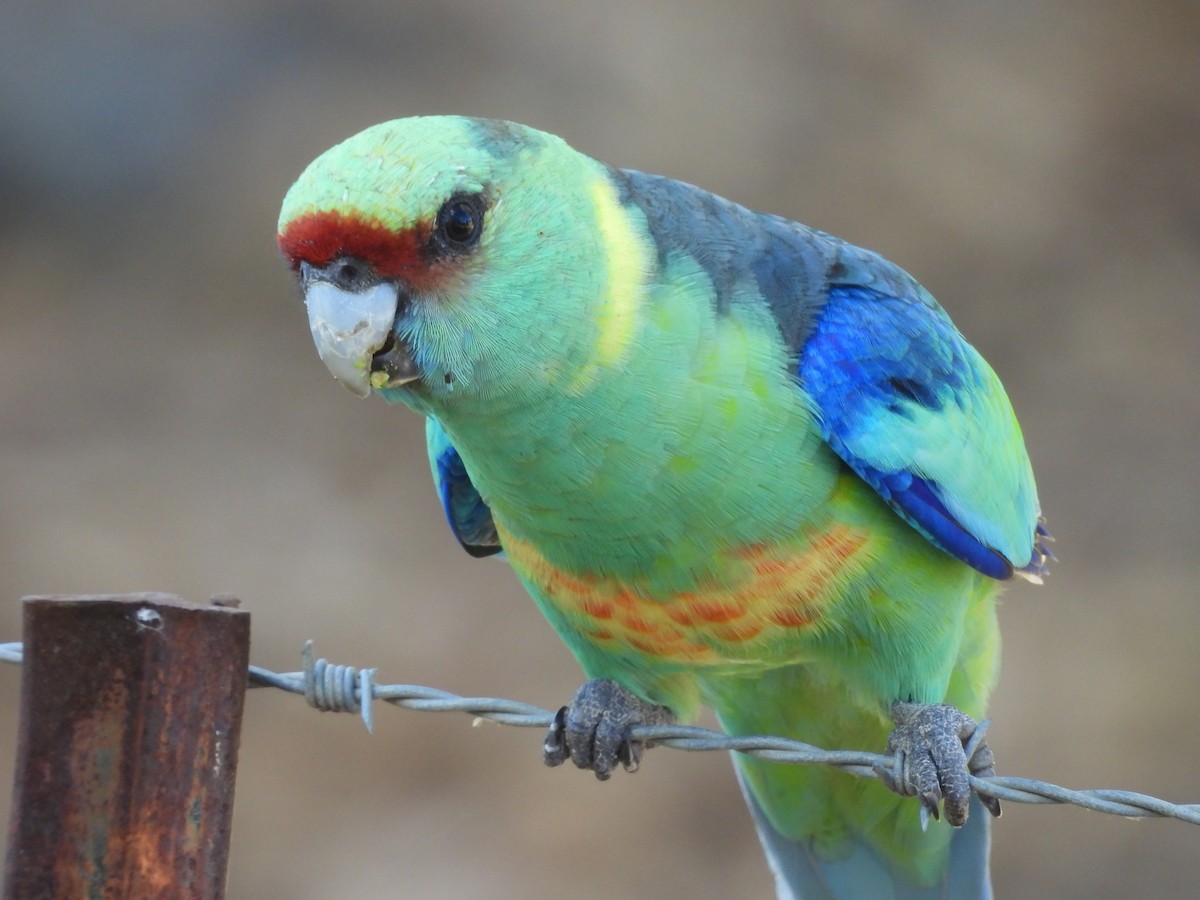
332,688
347,689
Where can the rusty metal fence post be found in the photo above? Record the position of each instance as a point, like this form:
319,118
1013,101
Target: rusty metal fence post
131,710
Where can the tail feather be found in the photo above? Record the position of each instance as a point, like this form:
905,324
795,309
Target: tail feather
800,874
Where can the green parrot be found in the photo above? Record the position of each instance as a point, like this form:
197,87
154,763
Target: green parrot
736,461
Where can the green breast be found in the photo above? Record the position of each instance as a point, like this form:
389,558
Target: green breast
696,439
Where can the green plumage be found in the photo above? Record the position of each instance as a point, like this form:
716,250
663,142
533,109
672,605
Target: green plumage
735,461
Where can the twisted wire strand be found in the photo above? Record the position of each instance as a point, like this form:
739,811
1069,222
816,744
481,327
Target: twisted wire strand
337,688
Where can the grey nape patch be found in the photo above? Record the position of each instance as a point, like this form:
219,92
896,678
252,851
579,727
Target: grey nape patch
499,138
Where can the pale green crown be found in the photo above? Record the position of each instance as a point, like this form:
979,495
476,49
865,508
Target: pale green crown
398,171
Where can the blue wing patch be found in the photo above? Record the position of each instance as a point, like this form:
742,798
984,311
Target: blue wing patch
900,395
918,414
469,516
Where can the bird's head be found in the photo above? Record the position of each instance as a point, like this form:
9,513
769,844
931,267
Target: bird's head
450,260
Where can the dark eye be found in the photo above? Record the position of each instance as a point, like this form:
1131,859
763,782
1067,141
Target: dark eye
459,222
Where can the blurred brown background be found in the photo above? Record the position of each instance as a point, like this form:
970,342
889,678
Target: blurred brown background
165,423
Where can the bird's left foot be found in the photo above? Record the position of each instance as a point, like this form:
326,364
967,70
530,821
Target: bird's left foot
929,745
593,731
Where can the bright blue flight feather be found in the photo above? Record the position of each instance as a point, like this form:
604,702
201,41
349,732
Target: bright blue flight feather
917,414
469,516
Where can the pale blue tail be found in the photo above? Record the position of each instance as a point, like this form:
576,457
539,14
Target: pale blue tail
800,874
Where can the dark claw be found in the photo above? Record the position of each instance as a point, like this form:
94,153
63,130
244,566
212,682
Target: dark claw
554,747
929,747
593,731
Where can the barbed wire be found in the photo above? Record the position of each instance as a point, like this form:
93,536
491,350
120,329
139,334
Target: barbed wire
339,688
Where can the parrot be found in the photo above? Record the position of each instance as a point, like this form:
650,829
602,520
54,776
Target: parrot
737,462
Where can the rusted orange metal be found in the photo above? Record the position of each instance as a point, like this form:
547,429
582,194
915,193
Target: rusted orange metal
131,710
